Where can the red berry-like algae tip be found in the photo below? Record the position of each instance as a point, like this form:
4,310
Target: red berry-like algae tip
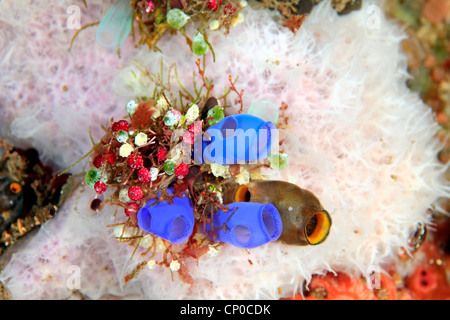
100,187
144,175
135,161
120,125
98,161
182,170
195,128
131,208
212,5
110,157
162,153
135,193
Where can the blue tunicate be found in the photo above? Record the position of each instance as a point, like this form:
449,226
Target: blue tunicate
115,25
239,138
246,225
173,222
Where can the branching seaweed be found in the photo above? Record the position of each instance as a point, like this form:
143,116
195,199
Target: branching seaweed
150,17
81,29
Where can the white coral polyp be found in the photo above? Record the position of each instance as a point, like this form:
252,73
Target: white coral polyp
357,138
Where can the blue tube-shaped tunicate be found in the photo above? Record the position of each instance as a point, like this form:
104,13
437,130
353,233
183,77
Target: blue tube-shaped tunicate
115,26
246,224
239,138
173,222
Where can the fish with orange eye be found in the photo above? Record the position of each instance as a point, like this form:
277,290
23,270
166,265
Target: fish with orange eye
305,221
11,202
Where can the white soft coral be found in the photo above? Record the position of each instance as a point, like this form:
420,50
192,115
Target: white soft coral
49,96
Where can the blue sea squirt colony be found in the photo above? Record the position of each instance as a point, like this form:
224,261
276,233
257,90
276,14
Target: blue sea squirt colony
183,171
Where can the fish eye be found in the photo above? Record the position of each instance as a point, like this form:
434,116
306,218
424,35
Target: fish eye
318,227
15,188
242,194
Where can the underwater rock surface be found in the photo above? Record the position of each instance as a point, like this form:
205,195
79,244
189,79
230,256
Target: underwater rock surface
356,137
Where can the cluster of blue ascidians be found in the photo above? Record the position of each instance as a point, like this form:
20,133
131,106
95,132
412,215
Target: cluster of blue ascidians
252,214
164,173
248,215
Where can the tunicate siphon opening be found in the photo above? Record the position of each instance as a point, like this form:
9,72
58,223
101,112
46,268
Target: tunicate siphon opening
242,234
178,228
145,223
318,227
242,194
228,128
311,226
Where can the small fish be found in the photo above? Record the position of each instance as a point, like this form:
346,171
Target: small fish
11,202
305,221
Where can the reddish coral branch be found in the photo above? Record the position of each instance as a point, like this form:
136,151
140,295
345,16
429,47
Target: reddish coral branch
294,22
201,72
233,88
